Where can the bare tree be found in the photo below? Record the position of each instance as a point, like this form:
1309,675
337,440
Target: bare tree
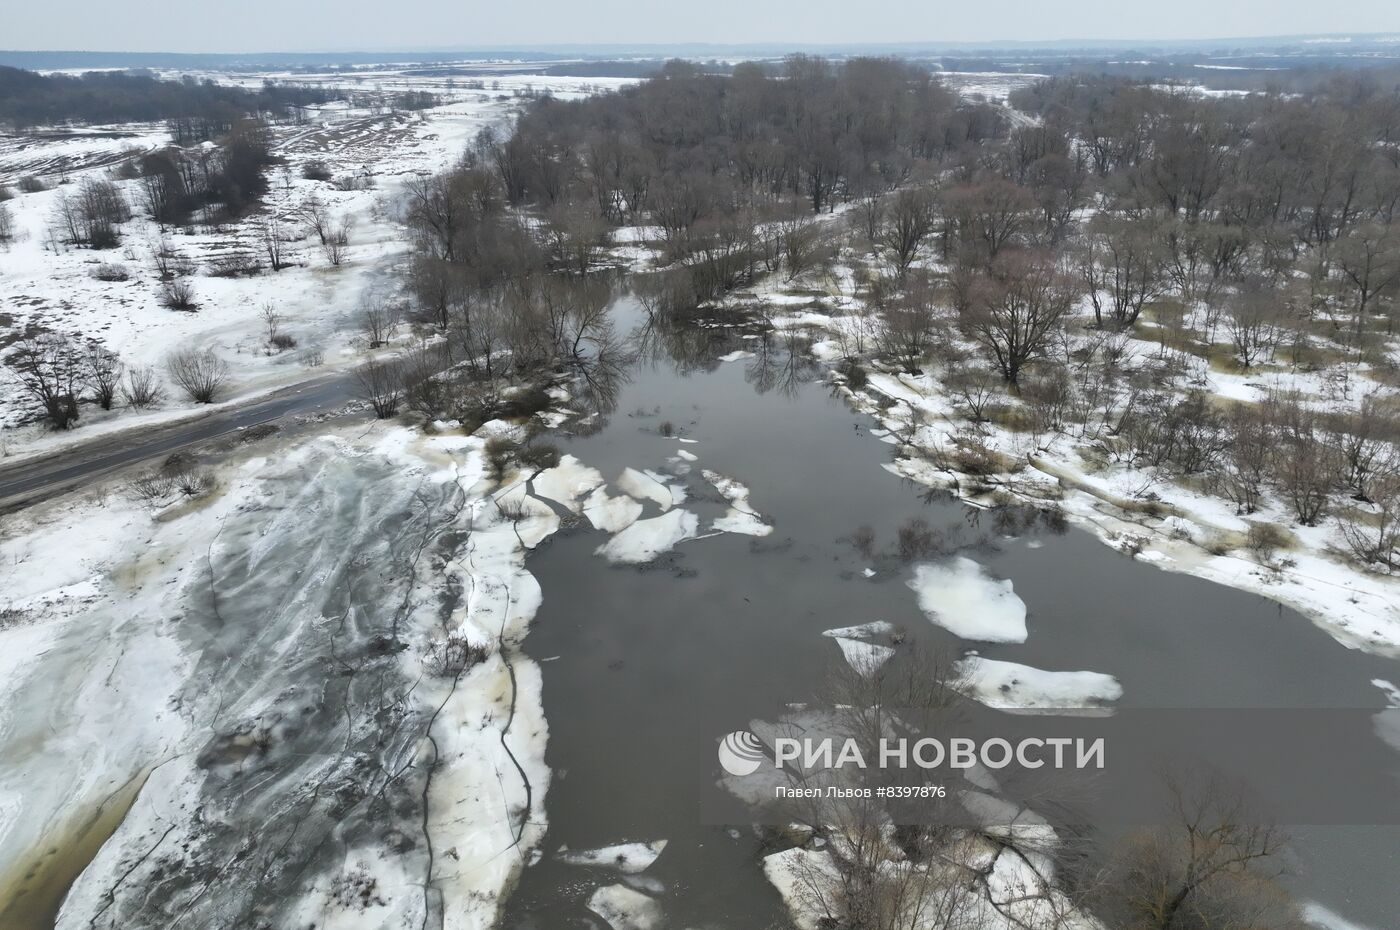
1370,262
1364,442
166,260
1214,866
909,324
377,318
1124,262
273,242
909,220
141,388
870,217
317,218
102,373
201,375
272,321
337,242
1254,322
1019,308
990,213
50,370
93,216
1373,534
1306,468
976,388
1248,456
381,384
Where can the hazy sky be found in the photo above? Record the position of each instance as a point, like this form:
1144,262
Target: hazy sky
342,25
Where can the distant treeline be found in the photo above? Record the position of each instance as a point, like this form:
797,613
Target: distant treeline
1275,74
30,99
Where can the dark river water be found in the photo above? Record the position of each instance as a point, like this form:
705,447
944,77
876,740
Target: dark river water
727,630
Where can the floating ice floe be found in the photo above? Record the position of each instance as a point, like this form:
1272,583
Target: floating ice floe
1319,915
802,877
960,597
1000,817
567,482
611,514
625,909
1387,722
865,658
644,540
740,517
650,486
864,631
628,858
533,519
1012,686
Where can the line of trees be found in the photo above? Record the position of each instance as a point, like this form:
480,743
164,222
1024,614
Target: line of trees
195,109
59,373
1025,244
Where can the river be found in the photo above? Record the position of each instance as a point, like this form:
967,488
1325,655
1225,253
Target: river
726,629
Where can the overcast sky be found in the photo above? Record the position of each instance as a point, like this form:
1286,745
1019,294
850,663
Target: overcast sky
344,25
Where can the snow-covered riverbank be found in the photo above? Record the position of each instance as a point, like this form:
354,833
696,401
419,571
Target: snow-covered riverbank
275,668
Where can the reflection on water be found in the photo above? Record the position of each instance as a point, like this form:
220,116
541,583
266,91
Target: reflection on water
727,629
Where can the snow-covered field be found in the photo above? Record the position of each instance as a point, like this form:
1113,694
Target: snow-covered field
266,660
49,287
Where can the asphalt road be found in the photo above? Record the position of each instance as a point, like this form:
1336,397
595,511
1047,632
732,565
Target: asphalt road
36,478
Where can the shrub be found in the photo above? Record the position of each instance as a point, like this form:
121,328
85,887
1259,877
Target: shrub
971,456
316,170
176,473
111,272
1264,539
201,375
498,452
450,657
153,486
355,182
381,384
512,511
526,402
11,616
177,294
538,455
32,184
235,265
141,388
854,373
283,341
1374,537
